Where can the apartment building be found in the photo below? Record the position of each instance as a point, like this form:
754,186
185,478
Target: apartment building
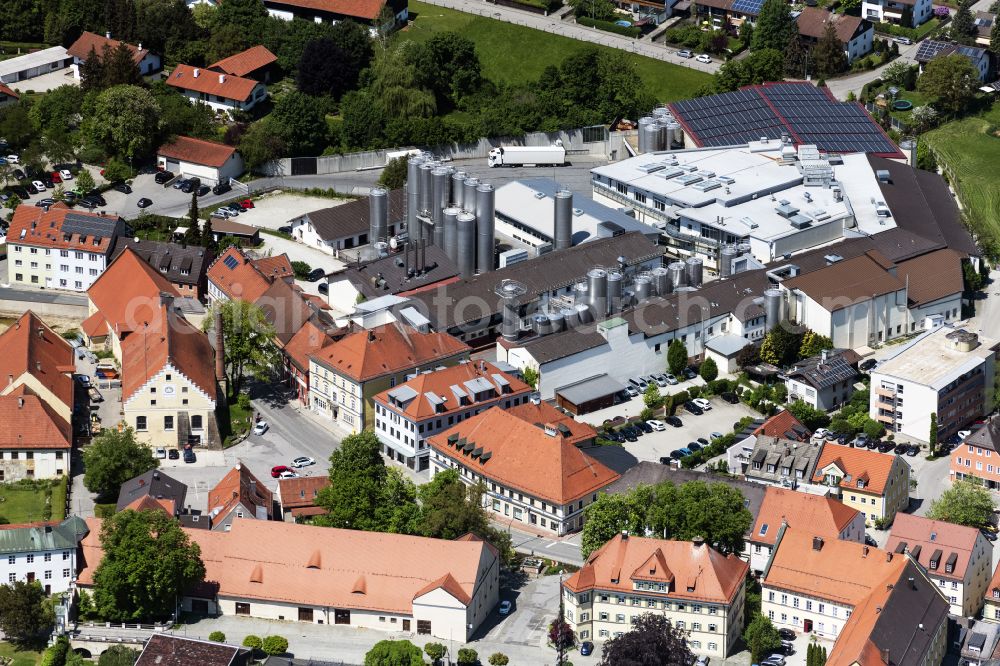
958,559
907,13
784,462
345,377
876,484
697,588
216,90
43,552
978,456
532,468
434,400
947,371
57,247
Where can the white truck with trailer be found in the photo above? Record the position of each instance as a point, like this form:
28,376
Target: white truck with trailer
528,156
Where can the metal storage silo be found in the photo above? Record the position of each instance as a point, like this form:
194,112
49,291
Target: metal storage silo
663,134
678,275
614,290
597,288
457,193
643,288
583,312
661,112
695,271
440,201
378,214
581,293
412,191
450,217
466,252
556,321
773,307
726,256
571,317
510,291
469,194
661,281
652,134
563,235
424,193
540,324
675,133
485,232
644,122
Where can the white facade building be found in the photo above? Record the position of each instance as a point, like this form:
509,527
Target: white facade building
43,552
907,13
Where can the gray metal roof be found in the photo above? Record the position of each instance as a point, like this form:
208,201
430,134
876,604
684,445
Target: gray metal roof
402,393
590,389
727,345
62,536
155,484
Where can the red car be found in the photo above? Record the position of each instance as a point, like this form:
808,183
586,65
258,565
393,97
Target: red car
278,469
246,204
56,178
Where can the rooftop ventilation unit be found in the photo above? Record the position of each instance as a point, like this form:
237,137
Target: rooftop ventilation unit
706,185
728,180
689,179
785,209
881,209
539,195
807,196
799,221
577,212
651,167
882,175
706,174
832,258
672,172
690,168
819,214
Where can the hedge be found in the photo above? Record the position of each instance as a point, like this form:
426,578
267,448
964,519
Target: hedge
608,26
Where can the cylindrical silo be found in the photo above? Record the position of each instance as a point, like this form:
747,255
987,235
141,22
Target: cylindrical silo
597,288
661,112
773,306
540,324
466,253
440,199
644,122
485,232
615,291
663,136
695,271
510,291
652,133
675,135
412,191
556,321
580,293
457,193
678,274
643,288
450,217
726,256
583,312
571,317
469,194
563,235
661,281
425,191
378,214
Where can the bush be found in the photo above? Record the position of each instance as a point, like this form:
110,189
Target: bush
273,645
56,655
499,659
105,510
468,657
252,642
301,269
608,26
217,637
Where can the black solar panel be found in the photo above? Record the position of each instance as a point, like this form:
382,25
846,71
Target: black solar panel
750,7
930,48
230,262
87,225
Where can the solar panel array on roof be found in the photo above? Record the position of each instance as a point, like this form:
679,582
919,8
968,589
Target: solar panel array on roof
729,119
749,7
930,48
230,262
87,225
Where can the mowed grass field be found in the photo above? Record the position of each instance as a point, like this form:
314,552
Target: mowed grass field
970,150
517,54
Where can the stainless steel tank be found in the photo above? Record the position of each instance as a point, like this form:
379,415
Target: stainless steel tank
571,317
643,288
450,216
695,271
440,200
466,252
773,307
485,231
425,193
661,280
597,287
644,122
615,290
726,256
678,275
540,324
675,134
652,134
457,192
469,195
378,214
563,235
412,191
583,312
556,321
581,293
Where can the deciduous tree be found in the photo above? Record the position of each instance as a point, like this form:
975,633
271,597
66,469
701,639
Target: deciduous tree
952,81
774,28
813,344
332,65
780,346
125,121
965,503
393,176
24,615
119,655
652,641
677,356
249,342
394,653
808,415
761,637
301,122
113,458
84,180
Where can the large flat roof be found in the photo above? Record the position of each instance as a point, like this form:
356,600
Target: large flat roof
33,59
933,359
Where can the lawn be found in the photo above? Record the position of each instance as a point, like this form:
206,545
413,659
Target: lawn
517,54
969,152
20,657
25,504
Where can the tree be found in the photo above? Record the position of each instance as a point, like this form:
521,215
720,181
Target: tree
456,65
600,10
897,73
125,121
208,235
813,344
757,67
120,67
780,346
84,180
761,637
113,458
394,653
774,28
467,657
995,38
677,356
24,615
332,65
249,342
260,144
828,54
965,503
796,58
148,563
92,72
435,651
116,170
252,642
963,24
808,415
651,396
932,436
449,508
652,641
274,645
119,655
393,176
57,109
709,370
499,659
301,122
301,269
952,81
972,278
531,377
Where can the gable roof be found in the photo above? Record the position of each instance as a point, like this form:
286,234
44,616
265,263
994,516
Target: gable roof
170,650
128,292
246,62
822,516
28,422
387,349
285,309
30,346
695,572
540,413
181,264
196,151
208,82
301,491
798,459
236,275
812,23
849,281
9,92
933,276
872,466
239,486
926,540
90,40
275,267
363,9
518,454
384,276
64,228
839,366
785,426
168,492
352,218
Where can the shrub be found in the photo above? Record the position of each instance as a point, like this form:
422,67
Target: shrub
56,655
252,642
104,510
468,657
499,659
608,26
217,637
301,269
273,645
435,651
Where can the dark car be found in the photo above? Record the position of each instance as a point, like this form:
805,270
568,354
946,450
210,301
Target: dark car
179,183
95,195
48,201
316,274
643,426
901,449
664,460
189,456
122,187
628,435
586,648
674,421
323,287
703,441
786,634
221,188
868,365
49,183
676,454
614,437
287,229
990,536
163,177
144,203
842,439
693,447
21,192
173,454
87,202
885,447
913,450
18,174
693,408
690,373
730,397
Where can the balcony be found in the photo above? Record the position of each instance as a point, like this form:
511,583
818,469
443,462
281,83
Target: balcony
885,392
884,418
882,403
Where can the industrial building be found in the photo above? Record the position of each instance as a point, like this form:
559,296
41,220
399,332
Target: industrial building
36,63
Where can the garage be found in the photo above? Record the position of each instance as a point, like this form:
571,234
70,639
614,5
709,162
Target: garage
589,395
211,161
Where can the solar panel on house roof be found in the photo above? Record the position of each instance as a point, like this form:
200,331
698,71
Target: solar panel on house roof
750,7
87,225
230,262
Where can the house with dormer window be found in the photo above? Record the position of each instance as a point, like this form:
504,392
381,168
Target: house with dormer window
783,462
876,484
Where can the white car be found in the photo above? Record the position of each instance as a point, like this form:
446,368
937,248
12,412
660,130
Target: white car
671,380
39,185
656,425
684,53
161,453
701,57
821,433
13,159
288,475
903,40
505,607
704,404
631,391
962,434
65,174
303,461
260,428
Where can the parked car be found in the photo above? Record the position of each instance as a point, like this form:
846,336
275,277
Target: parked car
690,373
163,177
671,379
190,185
56,177
685,53
716,435
221,188
860,442
913,450
505,606
286,229
189,456
661,381
990,536
631,391
247,204
303,461
906,41
786,634
674,421
84,380
773,660
665,460
261,428
323,287
144,203
38,185
676,454
13,159
685,451
703,403
901,449
203,190
288,475
820,433
693,408
703,57
122,187
643,426
693,447
48,201
173,454
866,366
66,174
730,397
278,469
94,394
885,447
586,648
179,183
628,435
657,425
316,274
18,174
161,452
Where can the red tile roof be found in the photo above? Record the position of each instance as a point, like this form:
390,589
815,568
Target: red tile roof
822,516
239,486
33,225
276,267
89,40
874,467
127,293
4,90
386,350
542,413
243,281
30,346
365,9
309,339
695,572
197,151
301,492
28,422
782,425
515,453
246,62
208,82
935,536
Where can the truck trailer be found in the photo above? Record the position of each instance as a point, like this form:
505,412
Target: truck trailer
528,156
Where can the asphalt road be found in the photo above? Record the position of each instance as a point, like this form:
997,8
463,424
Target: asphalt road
841,87
39,295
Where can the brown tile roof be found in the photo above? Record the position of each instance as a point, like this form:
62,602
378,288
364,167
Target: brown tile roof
388,349
233,228
933,276
843,572
849,281
28,422
128,293
872,466
243,281
166,650
156,485
95,326
812,23
301,492
694,572
167,338
4,90
35,226
246,62
934,536
994,586
279,266
439,383
238,486
30,346
822,516
541,413
309,339
211,83
518,454
197,151
89,40
784,425
364,9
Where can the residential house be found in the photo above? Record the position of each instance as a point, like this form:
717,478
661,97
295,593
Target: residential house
171,650
783,462
36,401
43,552
821,516
210,161
381,16
297,497
345,377
907,13
947,371
876,484
273,570
346,226
978,56
313,336
7,95
146,61
185,266
991,607
256,63
239,494
984,27
697,588
725,12
433,401
59,248
155,490
958,559
854,33
234,274
244,234
824,382
782,425
973,457
218,91
534,474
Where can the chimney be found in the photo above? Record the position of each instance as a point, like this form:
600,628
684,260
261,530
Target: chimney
698,541
817,543
38,366
823,355
864,551
107,34
371,335
20,403
624,535
166,300
140,46
156,475
142,482
253,486
888,557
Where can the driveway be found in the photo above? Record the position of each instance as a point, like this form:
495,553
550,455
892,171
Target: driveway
46,82
841,87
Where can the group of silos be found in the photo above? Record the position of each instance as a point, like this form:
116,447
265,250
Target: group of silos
660,131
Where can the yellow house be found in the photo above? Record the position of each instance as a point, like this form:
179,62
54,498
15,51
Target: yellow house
876,484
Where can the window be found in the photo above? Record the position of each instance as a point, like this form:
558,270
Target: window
12,577
168,422
140,423
47,557
31,559
48,575
66,573
11,560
